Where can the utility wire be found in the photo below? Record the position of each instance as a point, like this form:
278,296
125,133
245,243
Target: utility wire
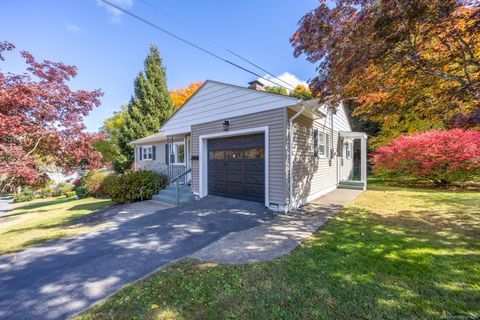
188,42
230,51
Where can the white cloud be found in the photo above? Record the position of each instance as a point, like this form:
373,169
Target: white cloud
287,77
115,14
71,27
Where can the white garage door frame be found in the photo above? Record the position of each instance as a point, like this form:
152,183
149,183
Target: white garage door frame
203,157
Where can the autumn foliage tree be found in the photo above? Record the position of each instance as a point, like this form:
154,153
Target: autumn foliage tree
441,157
180,96
410,65
41,121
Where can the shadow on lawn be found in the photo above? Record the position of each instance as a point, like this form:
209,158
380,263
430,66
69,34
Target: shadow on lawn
361,265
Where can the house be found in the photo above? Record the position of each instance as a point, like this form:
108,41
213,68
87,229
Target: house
245,143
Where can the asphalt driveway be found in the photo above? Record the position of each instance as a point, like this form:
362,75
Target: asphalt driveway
62,278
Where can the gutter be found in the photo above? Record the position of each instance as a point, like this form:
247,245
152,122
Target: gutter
290,161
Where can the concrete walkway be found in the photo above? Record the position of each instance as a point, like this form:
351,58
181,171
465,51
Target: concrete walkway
278,236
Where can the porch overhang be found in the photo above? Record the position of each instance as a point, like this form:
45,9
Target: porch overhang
353,135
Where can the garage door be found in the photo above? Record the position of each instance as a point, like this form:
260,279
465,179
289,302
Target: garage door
236,167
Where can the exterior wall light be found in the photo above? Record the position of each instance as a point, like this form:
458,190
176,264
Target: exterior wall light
226,124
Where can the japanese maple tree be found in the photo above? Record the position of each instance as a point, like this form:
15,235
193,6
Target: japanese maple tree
441,157
41,121
410,65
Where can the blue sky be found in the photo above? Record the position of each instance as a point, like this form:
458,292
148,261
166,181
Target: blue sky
109,48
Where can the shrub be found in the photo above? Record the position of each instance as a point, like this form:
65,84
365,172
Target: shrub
94,183
81,192
110,182
62,188
24,196
70,194
441,157
136,186
45,192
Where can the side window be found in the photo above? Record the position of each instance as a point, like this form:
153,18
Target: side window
322,147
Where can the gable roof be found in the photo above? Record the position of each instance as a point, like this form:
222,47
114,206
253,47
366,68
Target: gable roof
216,100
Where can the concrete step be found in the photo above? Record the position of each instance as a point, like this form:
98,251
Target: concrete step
169,194
352,186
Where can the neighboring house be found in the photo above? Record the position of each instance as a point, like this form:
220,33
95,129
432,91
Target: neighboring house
249,144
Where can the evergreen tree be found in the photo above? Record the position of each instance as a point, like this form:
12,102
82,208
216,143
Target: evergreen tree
150,106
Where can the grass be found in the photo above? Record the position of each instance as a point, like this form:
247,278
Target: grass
43,220
393,253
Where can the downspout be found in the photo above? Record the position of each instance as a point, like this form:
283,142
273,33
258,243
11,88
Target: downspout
290,160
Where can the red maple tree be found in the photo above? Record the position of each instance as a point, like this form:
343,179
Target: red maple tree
41,121
439,156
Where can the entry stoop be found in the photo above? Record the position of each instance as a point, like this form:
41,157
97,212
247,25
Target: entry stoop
169,194
355,185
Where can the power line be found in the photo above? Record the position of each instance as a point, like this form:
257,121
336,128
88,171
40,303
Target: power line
257,66
188,42
230,51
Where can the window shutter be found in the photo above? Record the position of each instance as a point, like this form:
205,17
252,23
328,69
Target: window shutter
166,153
154,152
315,142
140,151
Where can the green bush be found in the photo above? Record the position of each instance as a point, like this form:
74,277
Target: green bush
47,190
94,183
62,188
81,192
24,196
70,194
110,182
136,186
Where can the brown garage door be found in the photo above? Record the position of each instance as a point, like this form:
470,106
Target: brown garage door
236,167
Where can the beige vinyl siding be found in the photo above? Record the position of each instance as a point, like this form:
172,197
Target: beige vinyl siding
219,101
311,174
276,121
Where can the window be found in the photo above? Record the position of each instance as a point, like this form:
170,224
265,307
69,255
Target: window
349,150
177,153
147,153
322,144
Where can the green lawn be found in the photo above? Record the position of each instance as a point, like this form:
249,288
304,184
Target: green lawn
44,219
393,253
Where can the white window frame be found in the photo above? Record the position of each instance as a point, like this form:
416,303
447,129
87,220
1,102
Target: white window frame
147,153
174,152
322,141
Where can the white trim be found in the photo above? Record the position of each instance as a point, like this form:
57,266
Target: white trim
203,160
311,197
144,148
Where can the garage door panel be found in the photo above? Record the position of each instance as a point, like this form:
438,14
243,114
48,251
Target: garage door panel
216,188
254,166
236,167
255,179
237,178
254,192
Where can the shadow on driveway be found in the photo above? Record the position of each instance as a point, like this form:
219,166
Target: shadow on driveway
61,278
